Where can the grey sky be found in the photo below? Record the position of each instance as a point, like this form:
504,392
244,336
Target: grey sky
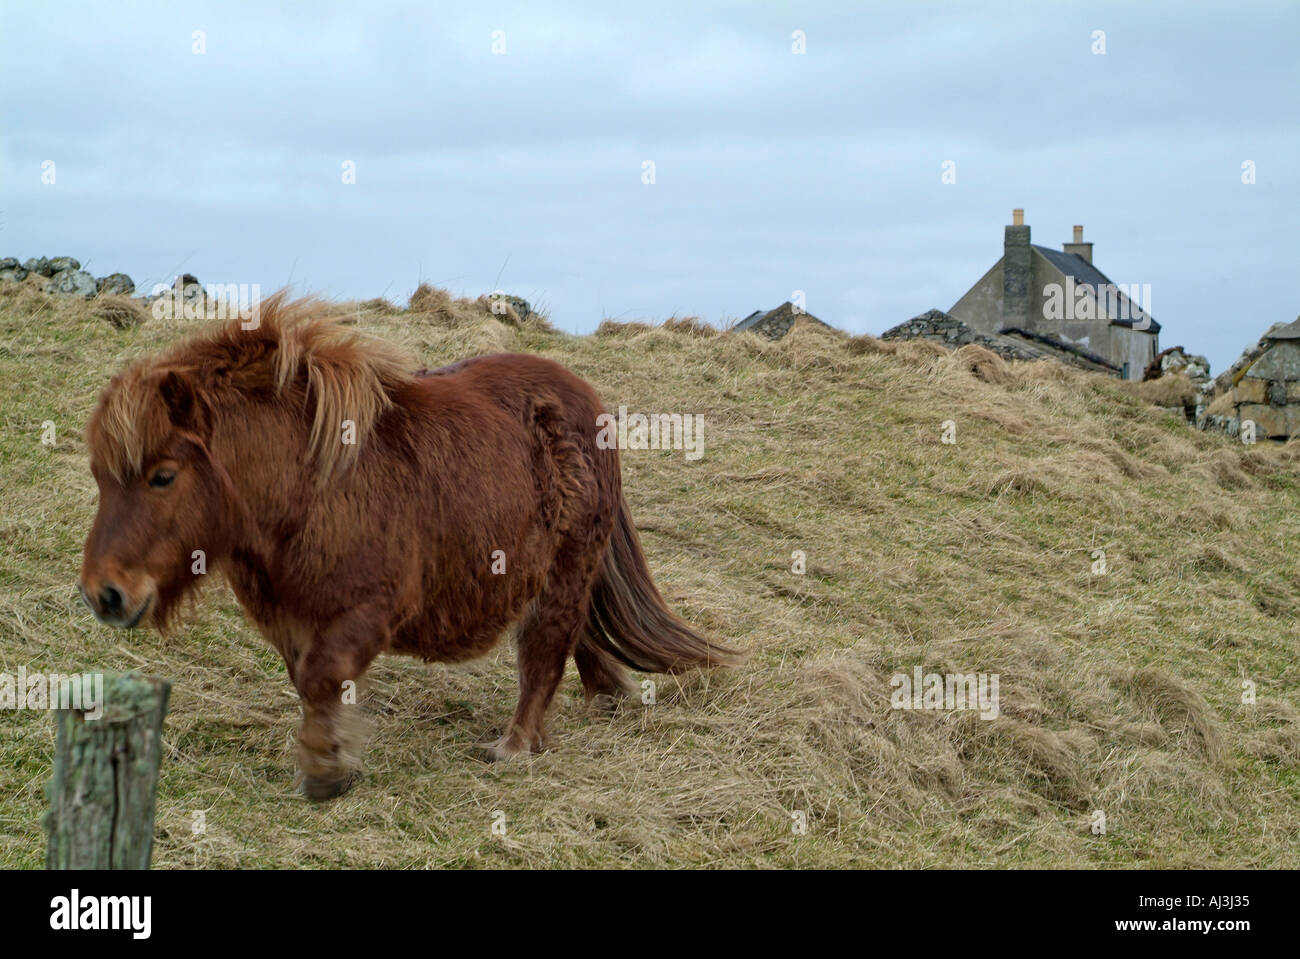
775,172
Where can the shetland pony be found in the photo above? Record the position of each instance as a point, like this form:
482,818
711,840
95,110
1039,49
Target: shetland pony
357,508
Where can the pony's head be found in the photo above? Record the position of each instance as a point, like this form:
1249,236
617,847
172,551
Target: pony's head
162,496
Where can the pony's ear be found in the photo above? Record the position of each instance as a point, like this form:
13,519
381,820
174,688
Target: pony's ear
182,400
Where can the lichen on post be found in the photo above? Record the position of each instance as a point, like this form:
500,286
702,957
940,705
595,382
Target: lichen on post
105,776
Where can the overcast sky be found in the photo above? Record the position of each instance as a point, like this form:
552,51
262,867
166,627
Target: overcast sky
773,171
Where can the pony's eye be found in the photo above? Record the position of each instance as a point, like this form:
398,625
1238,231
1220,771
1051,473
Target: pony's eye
161,478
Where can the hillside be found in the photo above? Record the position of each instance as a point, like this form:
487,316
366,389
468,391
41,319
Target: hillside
1120,692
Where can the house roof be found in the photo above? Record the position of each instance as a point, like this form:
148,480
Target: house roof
1057,346
1291,331
1084,273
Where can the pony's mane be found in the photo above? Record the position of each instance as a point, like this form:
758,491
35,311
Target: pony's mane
341,376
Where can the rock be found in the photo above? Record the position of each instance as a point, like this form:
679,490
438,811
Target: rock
1251,389
10,263
48,266
72,283
1271,421
14,274
1223,424
189,286
115,284
518,303
1177,360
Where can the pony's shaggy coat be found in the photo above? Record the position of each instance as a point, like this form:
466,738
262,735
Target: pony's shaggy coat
357,508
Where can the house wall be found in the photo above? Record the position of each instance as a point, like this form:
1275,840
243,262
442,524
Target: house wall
981,307
1091,334
1137,348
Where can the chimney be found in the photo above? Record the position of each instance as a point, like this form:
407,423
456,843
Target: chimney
1016,273
1078,247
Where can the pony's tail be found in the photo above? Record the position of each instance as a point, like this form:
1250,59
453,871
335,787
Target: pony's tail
630,621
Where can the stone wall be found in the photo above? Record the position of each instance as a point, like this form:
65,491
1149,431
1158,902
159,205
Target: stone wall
938,326
776,323
1263,386
65,276
1268,393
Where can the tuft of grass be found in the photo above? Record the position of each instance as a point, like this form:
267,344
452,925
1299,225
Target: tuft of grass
1171,390
119,311
1162,691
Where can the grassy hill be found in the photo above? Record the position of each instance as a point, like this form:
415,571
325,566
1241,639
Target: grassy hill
1120,692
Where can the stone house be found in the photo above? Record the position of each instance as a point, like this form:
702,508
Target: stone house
1266,389
1057,300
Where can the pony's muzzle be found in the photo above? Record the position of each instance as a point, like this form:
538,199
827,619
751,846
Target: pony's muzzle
110,605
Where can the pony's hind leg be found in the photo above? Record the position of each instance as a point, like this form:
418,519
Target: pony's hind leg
544,641
604,680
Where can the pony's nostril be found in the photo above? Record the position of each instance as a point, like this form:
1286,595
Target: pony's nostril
110,601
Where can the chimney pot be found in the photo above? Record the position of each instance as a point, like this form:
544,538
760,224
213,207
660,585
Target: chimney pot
1079,247
1017,217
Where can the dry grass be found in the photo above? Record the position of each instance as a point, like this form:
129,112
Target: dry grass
1171,390
1225,404
120,312
1120,692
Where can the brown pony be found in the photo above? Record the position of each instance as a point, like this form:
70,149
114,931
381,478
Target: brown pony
357,508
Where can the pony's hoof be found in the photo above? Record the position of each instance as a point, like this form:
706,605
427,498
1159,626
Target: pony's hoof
607,704
318,790
505,748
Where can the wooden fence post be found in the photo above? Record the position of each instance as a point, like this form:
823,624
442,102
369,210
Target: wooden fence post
106,774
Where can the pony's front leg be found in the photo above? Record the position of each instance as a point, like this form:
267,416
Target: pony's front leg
328,675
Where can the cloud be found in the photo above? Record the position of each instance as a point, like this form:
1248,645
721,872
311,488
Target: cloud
774,171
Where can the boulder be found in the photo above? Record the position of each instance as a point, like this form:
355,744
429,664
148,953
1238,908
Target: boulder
189,286
1177,360
115,284
518,303
14,274
48,266
72,283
